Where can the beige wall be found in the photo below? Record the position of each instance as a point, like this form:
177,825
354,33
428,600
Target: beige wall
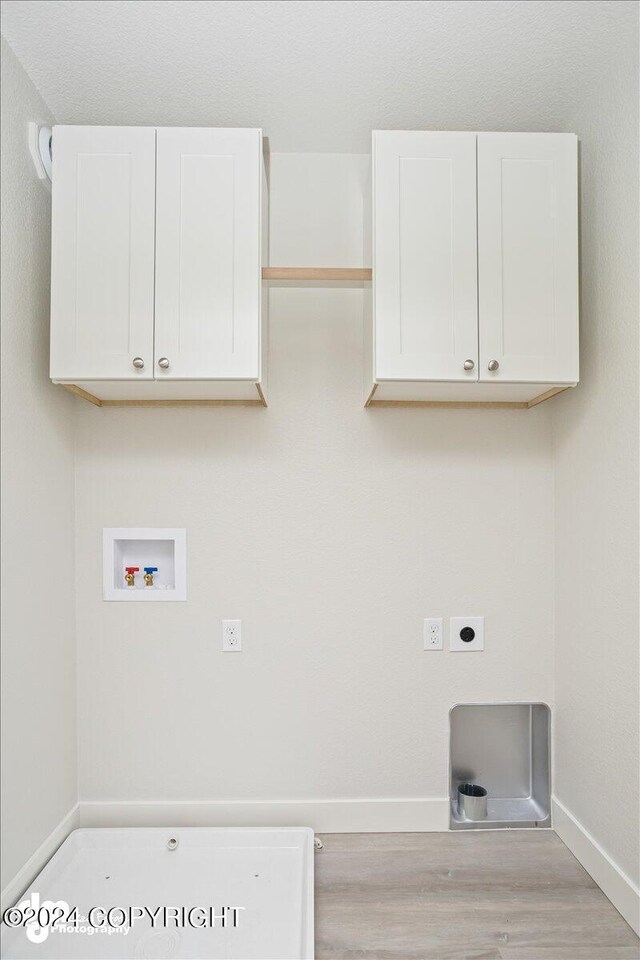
39,783
332,532
596,492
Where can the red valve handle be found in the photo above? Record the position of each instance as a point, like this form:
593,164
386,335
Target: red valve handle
131,569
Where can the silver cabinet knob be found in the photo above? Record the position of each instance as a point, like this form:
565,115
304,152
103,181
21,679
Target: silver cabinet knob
138,363
468,364
493,365
163,362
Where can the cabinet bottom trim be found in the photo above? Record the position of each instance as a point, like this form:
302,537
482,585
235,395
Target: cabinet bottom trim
260,401
96,401
478,404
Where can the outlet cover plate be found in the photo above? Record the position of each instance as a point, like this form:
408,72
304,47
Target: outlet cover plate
433,635
232,636
457,644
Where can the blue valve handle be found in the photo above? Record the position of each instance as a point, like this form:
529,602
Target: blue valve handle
150,569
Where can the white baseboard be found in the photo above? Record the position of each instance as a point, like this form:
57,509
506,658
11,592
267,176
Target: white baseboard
323,816
615,884
36,862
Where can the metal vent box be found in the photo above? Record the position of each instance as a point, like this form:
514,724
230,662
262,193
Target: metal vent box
503,747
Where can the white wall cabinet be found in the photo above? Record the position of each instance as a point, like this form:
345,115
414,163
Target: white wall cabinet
474,242
102,252
528,256
425,238
158,238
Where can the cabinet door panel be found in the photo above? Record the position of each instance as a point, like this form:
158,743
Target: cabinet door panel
102,252
528,256
425,271
208,253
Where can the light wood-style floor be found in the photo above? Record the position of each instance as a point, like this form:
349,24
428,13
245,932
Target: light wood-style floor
512,895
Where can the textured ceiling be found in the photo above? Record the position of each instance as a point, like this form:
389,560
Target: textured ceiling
319,74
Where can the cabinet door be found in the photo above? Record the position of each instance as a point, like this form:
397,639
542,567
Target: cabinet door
528,256
102,251
208,279
424,255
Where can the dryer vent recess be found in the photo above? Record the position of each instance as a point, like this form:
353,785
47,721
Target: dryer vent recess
499,766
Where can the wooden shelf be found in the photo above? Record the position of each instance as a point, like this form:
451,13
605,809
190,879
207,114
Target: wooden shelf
317,274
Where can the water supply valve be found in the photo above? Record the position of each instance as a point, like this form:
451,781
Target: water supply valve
148,575
129,575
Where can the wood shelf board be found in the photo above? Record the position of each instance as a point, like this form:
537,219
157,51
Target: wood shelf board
318,274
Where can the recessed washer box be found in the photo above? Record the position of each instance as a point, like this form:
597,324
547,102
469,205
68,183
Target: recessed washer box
503,748
162,550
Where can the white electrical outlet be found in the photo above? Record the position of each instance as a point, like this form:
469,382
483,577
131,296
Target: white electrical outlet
232,636
433,633
466,634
